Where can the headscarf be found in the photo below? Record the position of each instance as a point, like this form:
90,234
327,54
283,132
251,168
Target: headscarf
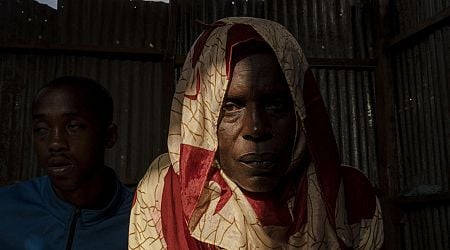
185,201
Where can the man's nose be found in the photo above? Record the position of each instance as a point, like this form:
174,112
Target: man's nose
256,124
57,140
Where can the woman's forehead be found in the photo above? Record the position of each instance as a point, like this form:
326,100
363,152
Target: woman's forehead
259,72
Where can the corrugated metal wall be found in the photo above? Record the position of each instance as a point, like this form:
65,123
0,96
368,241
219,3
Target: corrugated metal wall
138,87
349,97
337,30
422,77
422,85
325,29
109,23
426,227
413,12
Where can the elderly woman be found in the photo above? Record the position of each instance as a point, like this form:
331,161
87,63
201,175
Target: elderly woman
252,160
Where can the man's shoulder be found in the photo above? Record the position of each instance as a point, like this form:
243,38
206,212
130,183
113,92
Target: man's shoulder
28,188
21,199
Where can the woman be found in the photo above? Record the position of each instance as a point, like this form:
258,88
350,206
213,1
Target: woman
252,160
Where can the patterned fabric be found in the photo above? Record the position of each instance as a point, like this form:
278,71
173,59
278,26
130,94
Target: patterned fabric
185,201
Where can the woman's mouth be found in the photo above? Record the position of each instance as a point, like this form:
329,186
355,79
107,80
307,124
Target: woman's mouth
264,162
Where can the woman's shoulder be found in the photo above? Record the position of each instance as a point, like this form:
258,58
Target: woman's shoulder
158,168
146,209
355,178
360,197
154,177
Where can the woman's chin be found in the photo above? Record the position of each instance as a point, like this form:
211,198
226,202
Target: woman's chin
259,184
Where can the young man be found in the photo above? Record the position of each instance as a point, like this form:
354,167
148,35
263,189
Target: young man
80,204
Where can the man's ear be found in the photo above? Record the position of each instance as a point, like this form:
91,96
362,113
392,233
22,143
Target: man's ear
111,135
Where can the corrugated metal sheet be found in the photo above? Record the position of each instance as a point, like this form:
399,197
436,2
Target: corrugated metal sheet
110,23
427,227
136,88
325,29
413,12
349,97
421,80
422,84
27,21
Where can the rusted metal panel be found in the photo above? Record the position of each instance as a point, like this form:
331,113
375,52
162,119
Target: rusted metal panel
119,23
25,21
136,88
421,30
208,11
423,112
426,227
323,26
349,98
138,85
421,55
413,12
325,29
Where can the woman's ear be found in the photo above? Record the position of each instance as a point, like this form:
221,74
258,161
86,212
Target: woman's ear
111,135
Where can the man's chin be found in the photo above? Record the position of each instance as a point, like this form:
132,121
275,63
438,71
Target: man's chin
62,185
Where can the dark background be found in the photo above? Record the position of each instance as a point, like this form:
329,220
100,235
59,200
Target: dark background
382,65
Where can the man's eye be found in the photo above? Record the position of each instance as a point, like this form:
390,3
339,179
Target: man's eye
40,130
73,126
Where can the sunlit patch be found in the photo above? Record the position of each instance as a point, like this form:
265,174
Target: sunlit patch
51,3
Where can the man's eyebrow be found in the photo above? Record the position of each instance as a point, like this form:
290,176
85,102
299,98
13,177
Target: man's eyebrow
40,115
37,116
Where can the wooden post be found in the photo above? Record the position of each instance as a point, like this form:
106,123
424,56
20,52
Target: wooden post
386,132
169,67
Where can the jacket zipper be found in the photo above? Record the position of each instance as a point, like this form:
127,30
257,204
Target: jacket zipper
73,224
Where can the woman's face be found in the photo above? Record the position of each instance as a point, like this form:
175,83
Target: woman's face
257,125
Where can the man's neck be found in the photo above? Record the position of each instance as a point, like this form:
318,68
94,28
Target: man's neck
95,193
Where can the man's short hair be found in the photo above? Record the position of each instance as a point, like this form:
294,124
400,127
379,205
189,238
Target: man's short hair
99,98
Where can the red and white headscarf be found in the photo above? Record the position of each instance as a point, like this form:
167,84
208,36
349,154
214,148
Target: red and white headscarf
185,201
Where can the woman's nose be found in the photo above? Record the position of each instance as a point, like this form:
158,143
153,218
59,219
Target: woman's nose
256,125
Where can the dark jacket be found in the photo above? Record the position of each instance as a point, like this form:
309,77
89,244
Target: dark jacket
33,217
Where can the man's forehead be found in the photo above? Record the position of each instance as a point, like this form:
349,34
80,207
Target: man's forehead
61,100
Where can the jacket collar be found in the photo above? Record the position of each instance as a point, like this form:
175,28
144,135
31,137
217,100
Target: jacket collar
64,211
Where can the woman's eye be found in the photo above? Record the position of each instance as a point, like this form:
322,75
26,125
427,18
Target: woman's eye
278,105
231,107
275,105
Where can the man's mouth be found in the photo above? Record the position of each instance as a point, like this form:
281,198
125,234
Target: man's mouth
58,166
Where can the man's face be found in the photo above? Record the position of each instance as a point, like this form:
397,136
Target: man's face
257,125
67,137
